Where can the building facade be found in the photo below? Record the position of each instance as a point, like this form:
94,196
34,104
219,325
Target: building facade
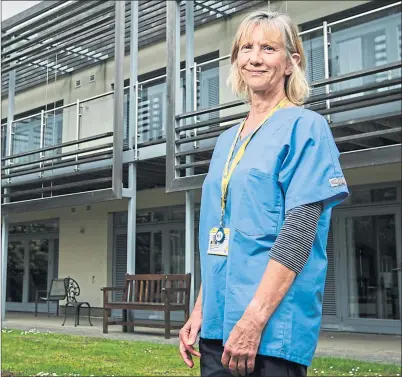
59,145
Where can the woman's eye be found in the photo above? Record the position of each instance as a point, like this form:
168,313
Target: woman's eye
246,47
268,48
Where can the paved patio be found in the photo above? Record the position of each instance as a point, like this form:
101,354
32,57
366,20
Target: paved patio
366,347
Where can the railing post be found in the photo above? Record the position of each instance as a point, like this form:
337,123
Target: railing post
41,141
136,132
326,65
77,132
194,107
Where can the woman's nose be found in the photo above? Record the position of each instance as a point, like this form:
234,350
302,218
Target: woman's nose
255,57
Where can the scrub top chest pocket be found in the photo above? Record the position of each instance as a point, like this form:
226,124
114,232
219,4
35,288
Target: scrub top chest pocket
259,206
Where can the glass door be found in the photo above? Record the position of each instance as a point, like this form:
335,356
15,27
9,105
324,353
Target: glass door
15,271
30,268
371,256
148,255
38,251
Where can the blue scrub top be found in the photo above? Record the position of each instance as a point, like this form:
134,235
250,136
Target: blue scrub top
292,160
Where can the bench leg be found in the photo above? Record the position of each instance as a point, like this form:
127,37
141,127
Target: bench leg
167,324
125,316
105,320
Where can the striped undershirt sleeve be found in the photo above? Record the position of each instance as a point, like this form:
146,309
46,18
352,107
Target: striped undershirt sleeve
295,240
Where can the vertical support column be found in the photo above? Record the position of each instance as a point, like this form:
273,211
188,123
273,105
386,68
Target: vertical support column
132,132
173,86
4,218
326,64
117,173
189,94
132,139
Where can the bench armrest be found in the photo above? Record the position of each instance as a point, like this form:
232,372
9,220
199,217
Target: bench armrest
112,289
105,291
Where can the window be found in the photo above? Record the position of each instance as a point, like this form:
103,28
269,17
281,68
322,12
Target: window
363,43
27,131
371,195
371,41
152,99
313,45
3,138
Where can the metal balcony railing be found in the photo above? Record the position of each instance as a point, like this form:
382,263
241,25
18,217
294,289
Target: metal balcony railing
359,96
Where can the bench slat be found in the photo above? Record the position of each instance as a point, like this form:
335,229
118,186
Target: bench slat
136,290
147,291
141,290
151,297
158,291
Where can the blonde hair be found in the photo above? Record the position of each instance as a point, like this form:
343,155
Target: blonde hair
296,85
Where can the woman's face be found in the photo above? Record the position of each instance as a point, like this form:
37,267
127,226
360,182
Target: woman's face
262,61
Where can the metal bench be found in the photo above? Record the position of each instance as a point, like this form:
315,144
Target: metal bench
156,292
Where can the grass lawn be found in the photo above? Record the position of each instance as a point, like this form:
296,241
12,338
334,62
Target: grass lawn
31,353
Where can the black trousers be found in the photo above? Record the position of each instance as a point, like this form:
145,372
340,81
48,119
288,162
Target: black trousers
265,366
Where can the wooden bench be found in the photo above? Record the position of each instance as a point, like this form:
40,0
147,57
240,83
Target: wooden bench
156,292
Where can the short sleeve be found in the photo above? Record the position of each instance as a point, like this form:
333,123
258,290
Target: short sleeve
310,170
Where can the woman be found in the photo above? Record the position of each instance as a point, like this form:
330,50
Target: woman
265,213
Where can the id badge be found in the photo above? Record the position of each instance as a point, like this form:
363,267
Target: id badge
219,241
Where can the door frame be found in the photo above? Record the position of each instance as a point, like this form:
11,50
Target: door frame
361,324
25,305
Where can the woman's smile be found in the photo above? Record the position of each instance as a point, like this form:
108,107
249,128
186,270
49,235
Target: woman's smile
255,72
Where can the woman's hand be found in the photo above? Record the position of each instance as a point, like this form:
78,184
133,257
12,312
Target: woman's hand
241,348
188,336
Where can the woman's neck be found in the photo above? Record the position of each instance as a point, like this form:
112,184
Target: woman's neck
263,103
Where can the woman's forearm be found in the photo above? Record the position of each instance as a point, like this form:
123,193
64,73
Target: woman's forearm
275,282
289,254
198,303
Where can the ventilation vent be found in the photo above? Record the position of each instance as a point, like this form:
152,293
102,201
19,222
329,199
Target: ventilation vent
78,83
91,78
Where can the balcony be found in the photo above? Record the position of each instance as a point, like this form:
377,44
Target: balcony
69,149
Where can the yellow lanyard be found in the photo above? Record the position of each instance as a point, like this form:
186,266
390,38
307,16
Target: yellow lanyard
227,172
